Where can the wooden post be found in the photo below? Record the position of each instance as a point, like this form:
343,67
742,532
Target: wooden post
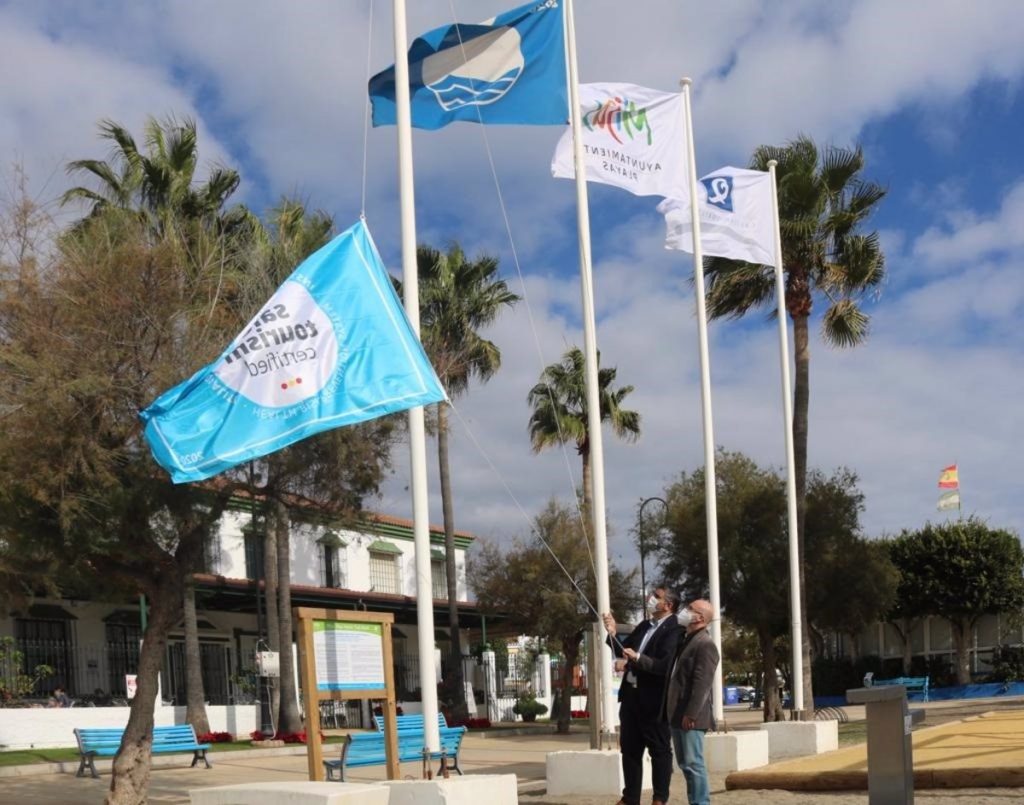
310,700
390,708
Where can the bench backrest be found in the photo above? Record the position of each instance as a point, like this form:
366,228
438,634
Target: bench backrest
367,746
411,722
93,738
907,681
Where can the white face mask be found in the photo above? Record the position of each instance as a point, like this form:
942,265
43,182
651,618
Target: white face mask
652,603
684,617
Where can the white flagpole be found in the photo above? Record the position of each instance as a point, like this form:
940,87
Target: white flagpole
787,413
417,433
710,494
591,369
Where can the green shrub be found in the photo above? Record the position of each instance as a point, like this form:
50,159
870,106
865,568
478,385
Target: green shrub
528,707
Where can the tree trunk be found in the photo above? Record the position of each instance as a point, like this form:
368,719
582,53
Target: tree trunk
906,629
460,707
195,709
962,643
271,611
571,653
801,400
771,703
289,718
130,780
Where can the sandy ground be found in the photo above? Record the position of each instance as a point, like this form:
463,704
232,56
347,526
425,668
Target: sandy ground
522,755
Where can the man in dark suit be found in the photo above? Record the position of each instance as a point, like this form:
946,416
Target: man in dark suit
687,705
645,656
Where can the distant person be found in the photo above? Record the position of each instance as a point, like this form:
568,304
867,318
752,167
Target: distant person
687,704
60,698
645,656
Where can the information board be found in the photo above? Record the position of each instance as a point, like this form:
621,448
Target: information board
349,655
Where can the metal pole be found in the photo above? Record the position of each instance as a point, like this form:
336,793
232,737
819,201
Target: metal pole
417,428
710,493
600,535
787,429
640,531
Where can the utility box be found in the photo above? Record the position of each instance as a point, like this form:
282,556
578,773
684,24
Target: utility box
890,751
268,663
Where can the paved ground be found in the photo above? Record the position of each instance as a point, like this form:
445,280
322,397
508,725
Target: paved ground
522,755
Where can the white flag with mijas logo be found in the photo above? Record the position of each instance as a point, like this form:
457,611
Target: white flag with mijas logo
633,138
735,207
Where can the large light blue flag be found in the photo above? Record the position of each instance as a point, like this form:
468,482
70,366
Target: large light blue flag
510,69
331,347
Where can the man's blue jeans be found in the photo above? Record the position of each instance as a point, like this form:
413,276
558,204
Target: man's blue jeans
689,746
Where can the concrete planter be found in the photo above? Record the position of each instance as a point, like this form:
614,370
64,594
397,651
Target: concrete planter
734,751
800,738
595,772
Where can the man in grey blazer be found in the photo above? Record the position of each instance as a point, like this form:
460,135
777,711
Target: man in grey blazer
687,702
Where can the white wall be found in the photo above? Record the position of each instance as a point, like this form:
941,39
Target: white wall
35,727
306,551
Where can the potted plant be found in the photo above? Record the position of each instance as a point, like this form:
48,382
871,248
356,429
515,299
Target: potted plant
528,707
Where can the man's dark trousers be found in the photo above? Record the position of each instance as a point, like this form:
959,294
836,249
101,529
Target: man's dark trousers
641,727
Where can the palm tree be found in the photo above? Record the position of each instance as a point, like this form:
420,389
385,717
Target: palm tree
159,185
293,234
458,297
559,403
823,202
160,182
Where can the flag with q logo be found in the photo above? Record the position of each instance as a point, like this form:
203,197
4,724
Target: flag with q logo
735,207
331,347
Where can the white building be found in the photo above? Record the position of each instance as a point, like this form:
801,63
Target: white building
93,644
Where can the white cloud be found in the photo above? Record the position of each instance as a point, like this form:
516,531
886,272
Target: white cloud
966,238
280,90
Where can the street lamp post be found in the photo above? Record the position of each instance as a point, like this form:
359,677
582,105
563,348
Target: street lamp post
640,533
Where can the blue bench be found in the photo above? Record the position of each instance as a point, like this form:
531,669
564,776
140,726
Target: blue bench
913,684
412,722
367,749
96,742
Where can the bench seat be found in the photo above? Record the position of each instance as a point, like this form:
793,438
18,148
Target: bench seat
367,749
96,742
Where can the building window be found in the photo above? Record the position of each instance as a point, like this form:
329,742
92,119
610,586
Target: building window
332,560
211,552
46,637
384,567
333,574
253,555
439,578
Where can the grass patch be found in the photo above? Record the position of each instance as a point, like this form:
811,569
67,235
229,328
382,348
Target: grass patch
853,732
25,757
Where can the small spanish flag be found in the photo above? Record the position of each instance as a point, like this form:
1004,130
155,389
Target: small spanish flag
949,478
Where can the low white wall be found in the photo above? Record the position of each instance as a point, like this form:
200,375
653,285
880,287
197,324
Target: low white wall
788,739
239,720
36,727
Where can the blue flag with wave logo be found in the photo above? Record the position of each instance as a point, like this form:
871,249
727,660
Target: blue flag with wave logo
510,69
331,347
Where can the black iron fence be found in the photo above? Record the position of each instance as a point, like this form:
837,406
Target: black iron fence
95,672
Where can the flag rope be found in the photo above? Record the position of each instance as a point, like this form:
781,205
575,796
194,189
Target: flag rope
529,521
529,310
366,111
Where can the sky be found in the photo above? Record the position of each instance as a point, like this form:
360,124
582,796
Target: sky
930,90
